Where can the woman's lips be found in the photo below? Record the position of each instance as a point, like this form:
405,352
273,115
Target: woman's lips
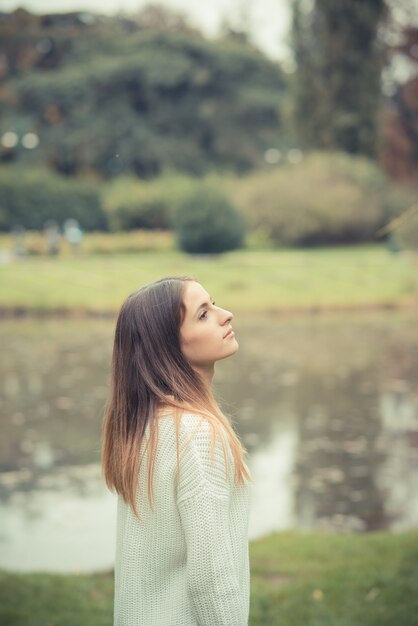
229,333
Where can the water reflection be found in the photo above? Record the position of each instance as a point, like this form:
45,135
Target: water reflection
327,407
329,380
338,455
62,524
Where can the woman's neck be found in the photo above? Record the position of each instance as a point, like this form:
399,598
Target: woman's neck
206,373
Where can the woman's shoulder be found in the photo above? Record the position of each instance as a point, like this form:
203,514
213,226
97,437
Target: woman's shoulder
185,416
204,457
191,425
187,421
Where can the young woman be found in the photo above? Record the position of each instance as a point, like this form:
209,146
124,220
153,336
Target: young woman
176,464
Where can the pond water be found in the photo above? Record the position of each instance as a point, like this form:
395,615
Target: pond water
327,408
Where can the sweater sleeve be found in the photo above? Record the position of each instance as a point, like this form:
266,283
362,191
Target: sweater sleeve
203,502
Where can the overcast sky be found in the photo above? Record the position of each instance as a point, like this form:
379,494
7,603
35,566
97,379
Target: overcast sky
268,19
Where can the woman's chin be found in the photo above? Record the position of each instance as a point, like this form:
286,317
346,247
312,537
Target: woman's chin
234,346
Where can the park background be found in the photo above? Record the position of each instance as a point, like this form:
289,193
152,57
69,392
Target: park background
283,176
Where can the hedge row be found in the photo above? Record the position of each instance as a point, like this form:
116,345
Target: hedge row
325,199
29,198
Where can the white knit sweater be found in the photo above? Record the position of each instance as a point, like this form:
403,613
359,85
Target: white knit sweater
186,563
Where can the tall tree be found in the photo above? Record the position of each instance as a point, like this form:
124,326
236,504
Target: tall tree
339,60
399,116
134,95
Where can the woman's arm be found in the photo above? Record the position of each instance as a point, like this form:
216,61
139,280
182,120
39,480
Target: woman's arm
203,503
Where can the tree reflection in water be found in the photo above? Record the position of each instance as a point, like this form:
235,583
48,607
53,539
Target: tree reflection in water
327,408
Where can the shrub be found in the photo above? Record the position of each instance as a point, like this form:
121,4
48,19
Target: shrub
405,233
327,198
400,206
30,197
131,203
206,222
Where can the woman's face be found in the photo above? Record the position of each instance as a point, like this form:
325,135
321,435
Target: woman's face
202,334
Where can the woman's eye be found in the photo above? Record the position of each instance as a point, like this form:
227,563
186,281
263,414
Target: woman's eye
204,314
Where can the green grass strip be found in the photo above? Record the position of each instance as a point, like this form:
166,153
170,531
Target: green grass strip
297,579
245,280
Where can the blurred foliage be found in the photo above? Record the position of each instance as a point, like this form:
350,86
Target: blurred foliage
401,202
407,233
133,203
30,197
339,59
399,118
206,222
327,198
398,198
124,99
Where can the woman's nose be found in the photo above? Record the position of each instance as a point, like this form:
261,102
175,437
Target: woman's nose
228,316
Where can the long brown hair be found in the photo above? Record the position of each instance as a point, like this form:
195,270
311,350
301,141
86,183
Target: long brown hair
149,372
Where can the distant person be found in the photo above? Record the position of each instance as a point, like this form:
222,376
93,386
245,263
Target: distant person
52,236
73,234
393,243
18,233
182,515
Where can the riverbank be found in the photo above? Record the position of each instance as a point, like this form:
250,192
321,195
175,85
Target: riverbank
280,282
308,579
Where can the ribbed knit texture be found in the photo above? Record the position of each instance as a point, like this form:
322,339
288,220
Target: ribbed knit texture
187,562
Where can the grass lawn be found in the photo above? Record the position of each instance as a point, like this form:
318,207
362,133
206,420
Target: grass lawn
246,280
297,579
